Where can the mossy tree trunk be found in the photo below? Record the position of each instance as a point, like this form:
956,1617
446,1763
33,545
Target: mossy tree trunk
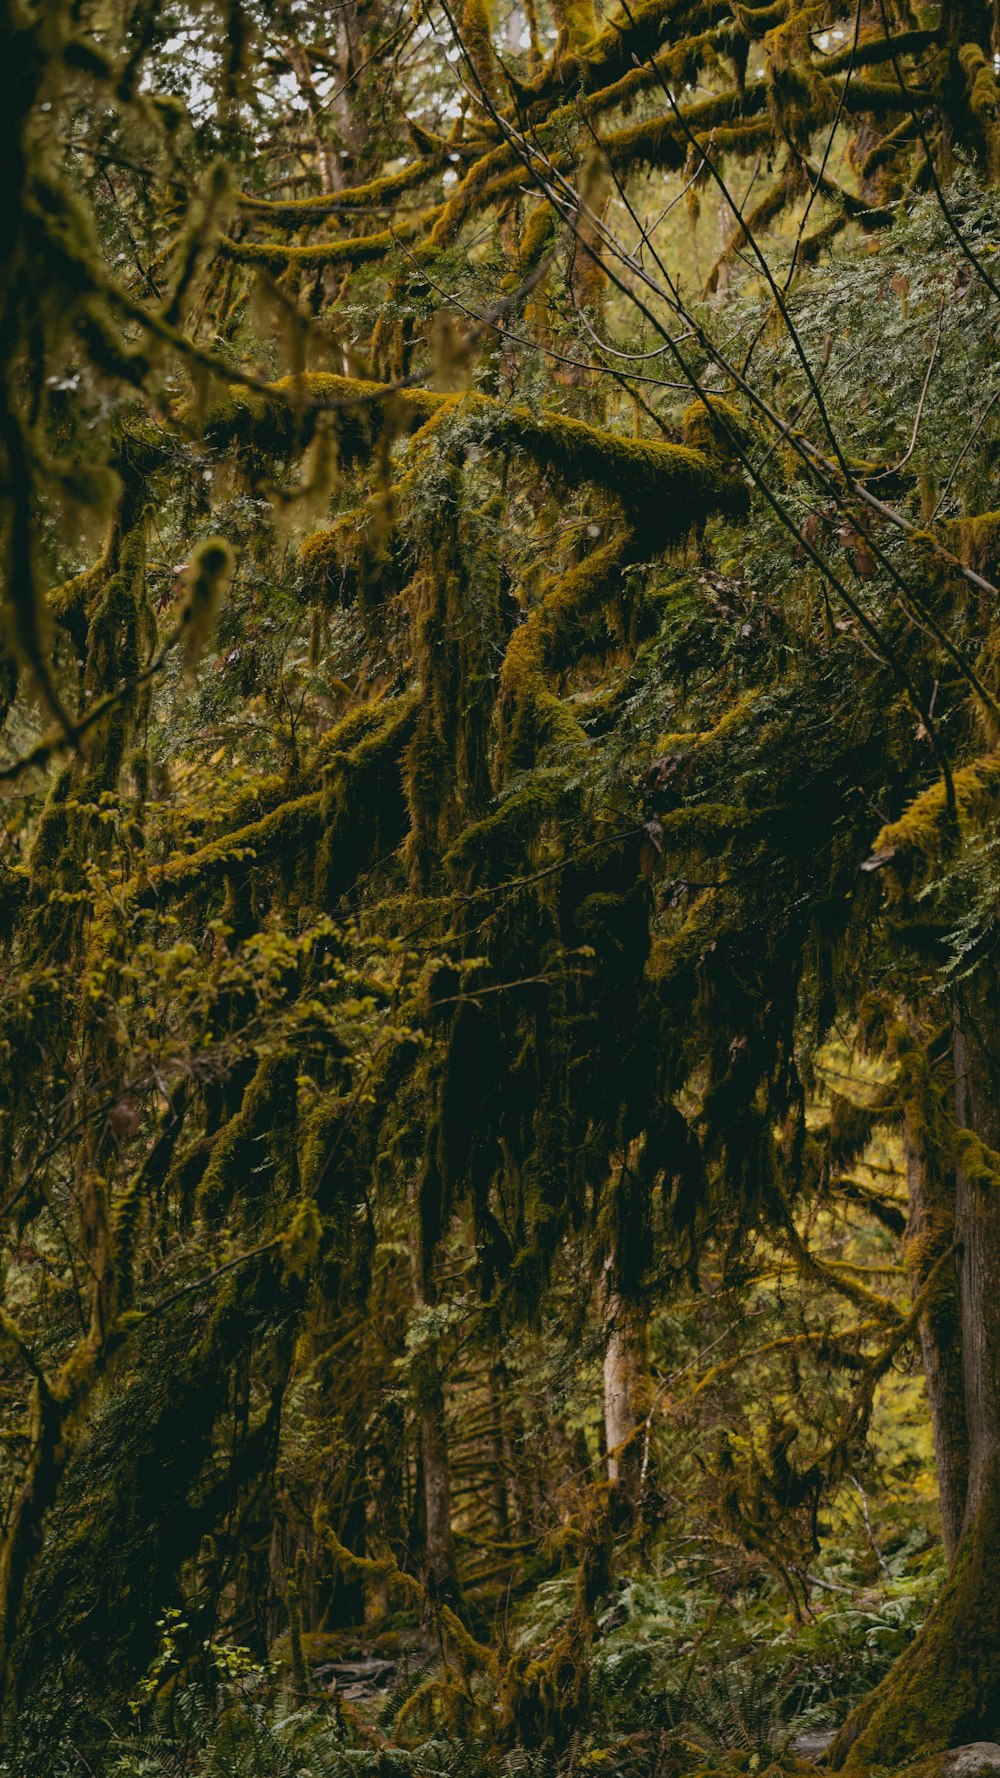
945,1690
500,1499
930,1232
440,1549
433,1518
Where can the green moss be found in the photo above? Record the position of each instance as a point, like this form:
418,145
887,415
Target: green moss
362,415
577,22
665,488
363,807
70,602
385,189
668,488
286,832
984,94
945,1689
531,715
476,26
714,427
926,833
499,842
976,540
358,560
253,1146
342,250
662,141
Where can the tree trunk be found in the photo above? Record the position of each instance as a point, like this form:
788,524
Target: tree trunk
624,1385
442,1575
930,1232
435,1474
945,1690
498,1489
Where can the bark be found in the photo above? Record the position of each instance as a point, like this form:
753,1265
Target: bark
930,1232
977,1094
439,1546
435,1473
624,1386
945,1690
498,1490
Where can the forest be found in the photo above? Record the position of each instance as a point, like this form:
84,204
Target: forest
499,888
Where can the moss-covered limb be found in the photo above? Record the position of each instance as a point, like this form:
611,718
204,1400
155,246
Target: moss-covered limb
120,628
363,805
658,142
945,1689
354,557
870,216
140,448
875,48
667,487
386,1568
927,832
70,602
664,488
339,250
498,844
975,539
881,1307
880,99
740,122
345,759
254,1144
363,414
754,222
383,190
842,1348
475,26
613,50
353,740
289,830
983,98
500,170
531,715
363,551
662,142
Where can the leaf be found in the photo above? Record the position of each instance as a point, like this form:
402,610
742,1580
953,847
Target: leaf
650,846
864,561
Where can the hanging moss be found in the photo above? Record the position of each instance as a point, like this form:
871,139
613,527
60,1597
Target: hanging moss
668,488
287,832
532,717
253,1146
498,843
363,807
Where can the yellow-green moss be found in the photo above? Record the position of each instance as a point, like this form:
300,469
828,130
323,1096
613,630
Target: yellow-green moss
926,833
385,189
671,487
